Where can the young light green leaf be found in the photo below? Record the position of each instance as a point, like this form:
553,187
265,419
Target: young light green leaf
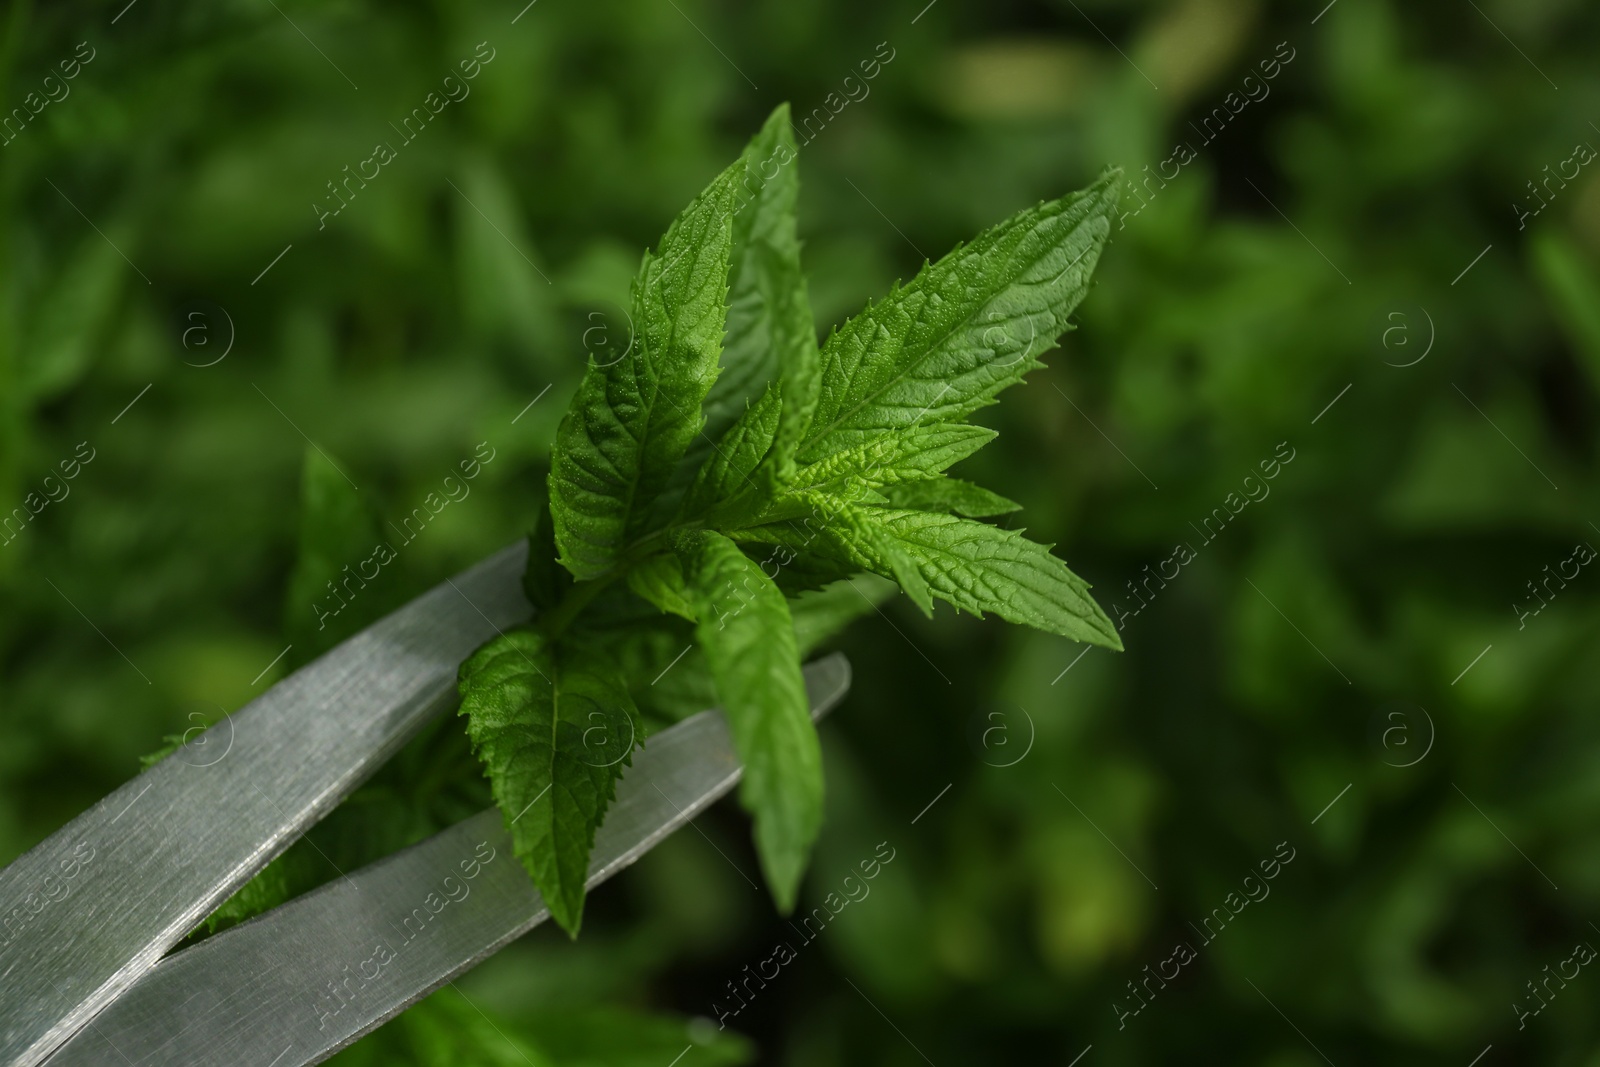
979,568
851,534
949,494
659,579
890,458
966,327
634,417
883,552
799,367
770,336
553,729
728,474
972,565
901,567
748,638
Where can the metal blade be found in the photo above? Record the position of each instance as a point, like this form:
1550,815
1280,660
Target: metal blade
306,979
91,908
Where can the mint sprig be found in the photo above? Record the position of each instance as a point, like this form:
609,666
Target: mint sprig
725,464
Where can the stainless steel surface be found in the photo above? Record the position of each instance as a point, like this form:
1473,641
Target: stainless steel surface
299,983
90,909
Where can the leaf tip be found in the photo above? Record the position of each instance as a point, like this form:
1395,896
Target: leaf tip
568,916
784,884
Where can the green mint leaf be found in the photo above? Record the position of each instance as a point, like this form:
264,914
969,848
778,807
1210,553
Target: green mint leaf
659,579
949,494
851,535
890,458
749,642
728,474
669,677
771,336
883,552
903,569
972,565
799,369
633,418
979,568
553,729
966,327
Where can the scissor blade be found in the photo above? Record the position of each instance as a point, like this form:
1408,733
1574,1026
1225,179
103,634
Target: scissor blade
306,979
87,911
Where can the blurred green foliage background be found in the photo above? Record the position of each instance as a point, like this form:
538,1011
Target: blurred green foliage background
1310,251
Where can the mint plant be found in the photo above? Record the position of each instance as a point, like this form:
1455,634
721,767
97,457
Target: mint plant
710,478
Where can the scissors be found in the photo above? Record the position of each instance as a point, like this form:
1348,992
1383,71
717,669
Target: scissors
88,916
